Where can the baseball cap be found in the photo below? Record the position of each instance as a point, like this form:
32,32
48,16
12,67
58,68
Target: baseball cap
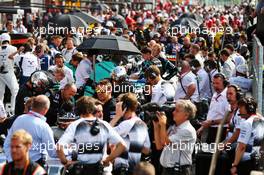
5,37
243,69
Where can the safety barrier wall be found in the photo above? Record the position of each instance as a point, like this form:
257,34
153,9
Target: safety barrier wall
257,72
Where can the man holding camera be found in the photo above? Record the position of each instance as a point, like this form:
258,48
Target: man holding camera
88,138
7,74
134,131
178,140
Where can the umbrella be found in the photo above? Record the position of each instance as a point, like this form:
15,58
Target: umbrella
186,22
108,44
100,7
87,17
194,16
67,20
119,20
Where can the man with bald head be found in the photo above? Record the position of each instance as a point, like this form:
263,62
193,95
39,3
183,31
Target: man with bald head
34,122
64,95
186,87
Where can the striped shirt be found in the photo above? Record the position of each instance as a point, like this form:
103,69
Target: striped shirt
135,133
91,149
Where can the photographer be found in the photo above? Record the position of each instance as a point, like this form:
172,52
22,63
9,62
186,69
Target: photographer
174,159
88,137
133,130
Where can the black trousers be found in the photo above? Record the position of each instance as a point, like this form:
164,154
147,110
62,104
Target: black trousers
185,170
212,135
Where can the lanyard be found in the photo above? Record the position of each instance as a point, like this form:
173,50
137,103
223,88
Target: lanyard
216,98
34,115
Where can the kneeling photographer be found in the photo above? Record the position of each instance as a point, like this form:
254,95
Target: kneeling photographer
88,138
178,140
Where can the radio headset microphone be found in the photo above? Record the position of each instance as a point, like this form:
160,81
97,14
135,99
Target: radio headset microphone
243,115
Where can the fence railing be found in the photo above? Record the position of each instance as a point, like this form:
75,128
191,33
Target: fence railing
257,71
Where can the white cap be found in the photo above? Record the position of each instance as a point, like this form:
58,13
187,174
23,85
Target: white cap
243,69
120,71
109,24
5,37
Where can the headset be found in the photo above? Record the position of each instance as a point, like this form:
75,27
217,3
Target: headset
95,129
251,105
223,77
59,55
239,93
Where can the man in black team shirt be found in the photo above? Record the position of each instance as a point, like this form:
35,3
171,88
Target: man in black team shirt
64,95
104,94
39,82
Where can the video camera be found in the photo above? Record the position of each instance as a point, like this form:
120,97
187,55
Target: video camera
150,111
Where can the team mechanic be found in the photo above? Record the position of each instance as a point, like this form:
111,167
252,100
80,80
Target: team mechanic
88,137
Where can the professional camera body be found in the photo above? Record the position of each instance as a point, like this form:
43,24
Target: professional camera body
150,110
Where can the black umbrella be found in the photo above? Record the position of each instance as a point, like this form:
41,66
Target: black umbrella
119,20
68,21
87,17
194,16
186,22
100,7
108,44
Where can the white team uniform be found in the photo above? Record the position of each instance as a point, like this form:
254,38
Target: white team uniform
83,72
229,68
68,75
67,54
8,79
30,63
187,79
204,84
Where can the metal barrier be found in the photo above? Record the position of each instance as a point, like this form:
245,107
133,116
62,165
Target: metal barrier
257,71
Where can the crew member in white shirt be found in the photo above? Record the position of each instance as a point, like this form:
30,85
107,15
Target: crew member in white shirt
159,95
202,80
243,161
69,50
83,71
186,86
236,57
217,110
211,69
59,63
229,67
7,75
195,50
28,63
